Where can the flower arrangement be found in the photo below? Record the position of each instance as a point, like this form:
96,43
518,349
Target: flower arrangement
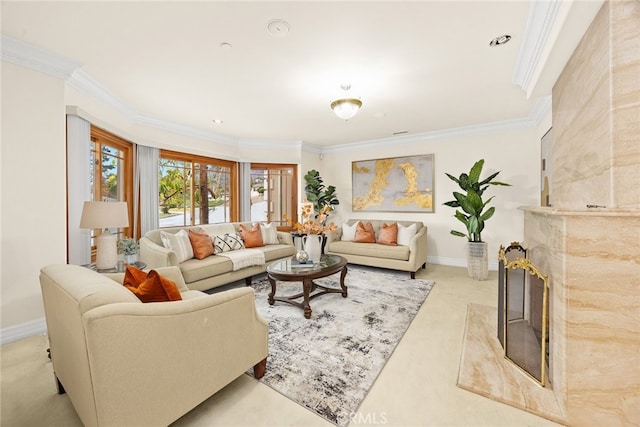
127,246
311,225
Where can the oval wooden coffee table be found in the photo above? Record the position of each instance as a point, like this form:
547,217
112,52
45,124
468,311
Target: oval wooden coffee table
288,271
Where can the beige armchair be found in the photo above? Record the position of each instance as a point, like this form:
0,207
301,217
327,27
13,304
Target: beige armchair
126,363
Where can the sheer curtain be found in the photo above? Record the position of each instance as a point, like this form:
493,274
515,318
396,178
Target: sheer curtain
78,188
245,192
146,185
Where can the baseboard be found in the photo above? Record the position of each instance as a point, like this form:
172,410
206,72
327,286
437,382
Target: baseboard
456,262
23,330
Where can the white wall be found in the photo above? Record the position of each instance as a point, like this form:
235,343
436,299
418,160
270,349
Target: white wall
516,153
33,195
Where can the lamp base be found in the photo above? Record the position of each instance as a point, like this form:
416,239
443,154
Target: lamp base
106,251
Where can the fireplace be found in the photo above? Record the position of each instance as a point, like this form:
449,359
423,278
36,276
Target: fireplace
523,312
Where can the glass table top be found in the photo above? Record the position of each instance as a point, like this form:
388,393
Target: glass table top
292,266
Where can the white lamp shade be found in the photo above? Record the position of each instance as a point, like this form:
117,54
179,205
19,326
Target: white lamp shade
104,215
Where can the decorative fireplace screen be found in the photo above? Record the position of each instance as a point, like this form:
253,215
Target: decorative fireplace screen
523,312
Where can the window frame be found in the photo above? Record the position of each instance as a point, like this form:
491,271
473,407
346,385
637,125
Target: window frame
294,186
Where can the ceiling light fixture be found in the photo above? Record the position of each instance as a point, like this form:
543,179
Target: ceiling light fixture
346,108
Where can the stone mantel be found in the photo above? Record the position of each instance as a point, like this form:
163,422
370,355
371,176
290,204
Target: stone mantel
587,212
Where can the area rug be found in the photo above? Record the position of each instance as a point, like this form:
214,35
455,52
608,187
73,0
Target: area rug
329,362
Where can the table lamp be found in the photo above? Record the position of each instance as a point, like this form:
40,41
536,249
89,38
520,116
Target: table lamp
105,215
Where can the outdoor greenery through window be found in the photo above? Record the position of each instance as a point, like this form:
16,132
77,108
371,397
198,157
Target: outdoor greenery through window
110,174
195,190
273,193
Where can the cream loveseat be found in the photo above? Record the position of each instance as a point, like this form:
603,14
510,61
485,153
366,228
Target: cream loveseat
123,362
409,256
215,270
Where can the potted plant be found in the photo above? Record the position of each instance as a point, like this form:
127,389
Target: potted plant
129,248
318,194
473,214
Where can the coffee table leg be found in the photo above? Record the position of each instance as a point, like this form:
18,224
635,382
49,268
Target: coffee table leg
273,290
343,274
306,290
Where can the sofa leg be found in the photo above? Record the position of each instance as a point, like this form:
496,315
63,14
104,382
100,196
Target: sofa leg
424,265
59,386
413,274
260,368
247,280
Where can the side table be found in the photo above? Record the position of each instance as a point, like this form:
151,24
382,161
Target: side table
119,269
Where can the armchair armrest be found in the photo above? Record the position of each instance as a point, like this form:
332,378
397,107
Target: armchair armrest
155,255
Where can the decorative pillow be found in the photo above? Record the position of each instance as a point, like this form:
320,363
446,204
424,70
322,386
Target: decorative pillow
405,234
349,232
227,242
365,233
201,244
251,238
178,243
151,287
388,234
269,233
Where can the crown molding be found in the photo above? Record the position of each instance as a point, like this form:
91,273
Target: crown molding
86,84
542,15
35,58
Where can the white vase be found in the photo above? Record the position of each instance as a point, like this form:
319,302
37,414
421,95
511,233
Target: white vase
130,259
313,247
477,260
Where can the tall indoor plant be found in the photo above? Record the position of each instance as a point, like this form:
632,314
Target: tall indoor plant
473,215
319,194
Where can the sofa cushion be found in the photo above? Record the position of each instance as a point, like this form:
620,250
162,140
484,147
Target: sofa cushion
201,243
388,234
406,233
252,238
365,233
178,243
227,242
269,233
373,250
150,287
349,232
273,252
194,269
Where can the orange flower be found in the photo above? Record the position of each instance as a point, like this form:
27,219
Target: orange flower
312,225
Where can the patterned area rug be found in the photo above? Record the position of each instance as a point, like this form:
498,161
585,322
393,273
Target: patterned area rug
328,363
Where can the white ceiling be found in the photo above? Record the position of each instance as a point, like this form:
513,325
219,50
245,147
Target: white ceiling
416,66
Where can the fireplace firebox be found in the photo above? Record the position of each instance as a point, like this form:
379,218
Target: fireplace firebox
523,312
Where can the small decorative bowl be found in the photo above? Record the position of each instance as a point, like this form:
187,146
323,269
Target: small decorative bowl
302,257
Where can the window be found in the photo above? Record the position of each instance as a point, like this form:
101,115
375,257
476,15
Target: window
273,193
196,190
111,175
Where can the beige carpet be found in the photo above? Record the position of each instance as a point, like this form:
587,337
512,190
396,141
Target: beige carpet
485,371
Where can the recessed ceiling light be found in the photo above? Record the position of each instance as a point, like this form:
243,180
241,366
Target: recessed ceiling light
402,132
217,121
503,39
225,45
278,28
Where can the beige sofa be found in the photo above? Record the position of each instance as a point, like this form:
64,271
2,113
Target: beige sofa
127,363
214,270
409,257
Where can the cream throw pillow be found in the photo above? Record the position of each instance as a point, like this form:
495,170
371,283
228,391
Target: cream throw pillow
349,232
405,234
178,243
269,233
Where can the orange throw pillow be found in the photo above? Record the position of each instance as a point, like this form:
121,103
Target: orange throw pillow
151,287
388,234
251,238
365,233
201,244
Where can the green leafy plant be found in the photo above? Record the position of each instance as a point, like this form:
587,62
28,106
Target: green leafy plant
127,246
473,214
319,194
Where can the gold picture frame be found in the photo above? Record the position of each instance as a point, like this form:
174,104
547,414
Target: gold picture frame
394,184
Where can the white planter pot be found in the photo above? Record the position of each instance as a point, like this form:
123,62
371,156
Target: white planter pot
477,260
130,259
